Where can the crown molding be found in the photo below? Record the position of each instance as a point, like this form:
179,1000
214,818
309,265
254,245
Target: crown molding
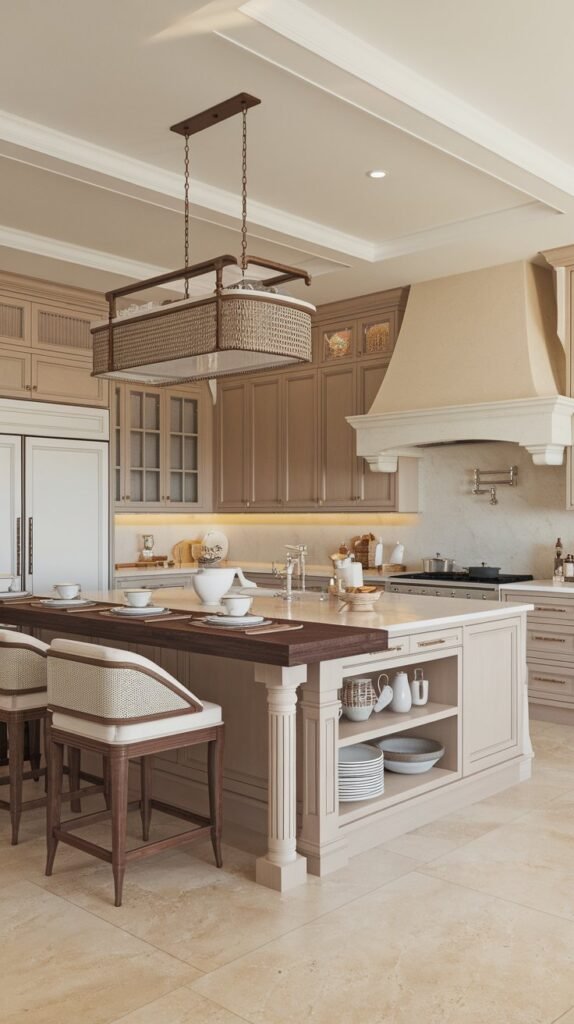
71,150
334,44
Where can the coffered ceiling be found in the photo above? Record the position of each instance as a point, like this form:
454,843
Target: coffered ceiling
464,105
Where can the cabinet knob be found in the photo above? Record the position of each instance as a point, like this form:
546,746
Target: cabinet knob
27,387
128,497
34,387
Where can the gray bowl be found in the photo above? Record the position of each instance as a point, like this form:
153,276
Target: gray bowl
410,755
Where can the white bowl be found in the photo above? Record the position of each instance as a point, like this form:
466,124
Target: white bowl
67,591
236,604
357,714
410,755
138,598
6,582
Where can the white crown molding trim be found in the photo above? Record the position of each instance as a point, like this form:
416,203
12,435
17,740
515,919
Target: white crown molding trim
542,425
323,37
40,138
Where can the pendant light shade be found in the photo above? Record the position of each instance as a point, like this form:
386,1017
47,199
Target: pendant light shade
235,322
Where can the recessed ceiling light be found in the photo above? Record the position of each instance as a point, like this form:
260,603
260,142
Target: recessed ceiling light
376,174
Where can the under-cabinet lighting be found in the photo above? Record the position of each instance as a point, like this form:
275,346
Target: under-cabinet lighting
376,174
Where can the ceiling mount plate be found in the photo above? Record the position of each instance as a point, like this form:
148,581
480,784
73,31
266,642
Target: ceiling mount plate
211,116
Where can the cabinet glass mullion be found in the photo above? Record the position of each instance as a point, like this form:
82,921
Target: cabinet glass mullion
183,450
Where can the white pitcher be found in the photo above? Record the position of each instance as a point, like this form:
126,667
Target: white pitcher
419,688
402,698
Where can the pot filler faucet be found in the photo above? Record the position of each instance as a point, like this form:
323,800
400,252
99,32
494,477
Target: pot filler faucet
292,562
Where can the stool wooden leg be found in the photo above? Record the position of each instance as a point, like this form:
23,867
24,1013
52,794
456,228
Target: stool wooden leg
107,782
145,785
34,734
74,776
215,780
55,771
46,742
16,762
119,765
3,743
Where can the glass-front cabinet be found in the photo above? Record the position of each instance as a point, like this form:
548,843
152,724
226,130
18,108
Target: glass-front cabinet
159,448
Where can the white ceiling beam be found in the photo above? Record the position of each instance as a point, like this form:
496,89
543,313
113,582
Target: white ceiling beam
71,152
520,159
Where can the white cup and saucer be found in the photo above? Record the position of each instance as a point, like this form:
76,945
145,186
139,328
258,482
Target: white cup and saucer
68,591
139,597
236,604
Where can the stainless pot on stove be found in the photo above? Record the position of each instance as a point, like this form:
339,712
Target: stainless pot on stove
438,564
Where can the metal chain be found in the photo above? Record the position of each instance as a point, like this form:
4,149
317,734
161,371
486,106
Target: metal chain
244,197
186,215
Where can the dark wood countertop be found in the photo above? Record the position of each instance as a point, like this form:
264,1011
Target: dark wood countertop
315,642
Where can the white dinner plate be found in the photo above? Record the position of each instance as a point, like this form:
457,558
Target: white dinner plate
351,798
215,620
125,609
359,752
9,595
235,620
61,602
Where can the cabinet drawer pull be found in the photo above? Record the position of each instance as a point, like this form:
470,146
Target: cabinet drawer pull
430,643
545,679
545,608
399,647
18,546
550,639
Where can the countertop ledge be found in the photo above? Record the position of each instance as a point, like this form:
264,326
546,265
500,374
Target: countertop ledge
562,590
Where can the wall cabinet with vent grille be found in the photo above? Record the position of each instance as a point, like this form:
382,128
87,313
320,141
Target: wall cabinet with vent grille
45,343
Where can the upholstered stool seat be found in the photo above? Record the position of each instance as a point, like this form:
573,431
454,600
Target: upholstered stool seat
23,700
125,706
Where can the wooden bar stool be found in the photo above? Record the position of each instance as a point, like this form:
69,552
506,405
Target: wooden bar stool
23,700
123,706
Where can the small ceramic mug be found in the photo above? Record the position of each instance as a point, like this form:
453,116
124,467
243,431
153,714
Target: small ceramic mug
139,598
67,591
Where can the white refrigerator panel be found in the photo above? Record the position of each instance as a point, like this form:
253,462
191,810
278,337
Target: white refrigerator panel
67,530
11,506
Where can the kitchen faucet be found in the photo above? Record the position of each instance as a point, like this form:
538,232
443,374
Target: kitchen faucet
292,562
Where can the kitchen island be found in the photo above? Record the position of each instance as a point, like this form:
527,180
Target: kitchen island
282,757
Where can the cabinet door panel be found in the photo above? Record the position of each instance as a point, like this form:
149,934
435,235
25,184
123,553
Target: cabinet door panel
15,373
69,532
493,687
61,328
338,391
377,490
232,429
14,320
10,505
264,443
182,454
143,470
300,420
57,379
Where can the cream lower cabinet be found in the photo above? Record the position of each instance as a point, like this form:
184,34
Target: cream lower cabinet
494,681
549,646
11,506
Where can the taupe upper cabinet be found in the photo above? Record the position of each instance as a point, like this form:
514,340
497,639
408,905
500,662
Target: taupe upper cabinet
283,441
159,439
45,343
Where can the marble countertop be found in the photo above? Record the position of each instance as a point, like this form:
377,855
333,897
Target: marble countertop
397,613
543,586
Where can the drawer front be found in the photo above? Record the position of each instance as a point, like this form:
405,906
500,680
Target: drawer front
154,582
436,640
551,680
559,608
550,641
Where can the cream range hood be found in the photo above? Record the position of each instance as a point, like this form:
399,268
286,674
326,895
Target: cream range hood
477,359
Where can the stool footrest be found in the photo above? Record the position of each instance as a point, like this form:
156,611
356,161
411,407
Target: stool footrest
83,844
5,780
166,844
85,820
179,812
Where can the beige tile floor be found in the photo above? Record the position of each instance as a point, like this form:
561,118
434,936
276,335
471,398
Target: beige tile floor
469,920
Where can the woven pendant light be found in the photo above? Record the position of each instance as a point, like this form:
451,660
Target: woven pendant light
236,322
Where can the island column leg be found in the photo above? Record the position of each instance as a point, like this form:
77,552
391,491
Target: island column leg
282,867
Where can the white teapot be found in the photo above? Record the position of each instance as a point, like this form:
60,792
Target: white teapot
210,584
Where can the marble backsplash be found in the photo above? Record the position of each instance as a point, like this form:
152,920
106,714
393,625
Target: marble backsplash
518,534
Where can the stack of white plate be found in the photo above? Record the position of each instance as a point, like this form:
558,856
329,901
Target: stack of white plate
361,774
